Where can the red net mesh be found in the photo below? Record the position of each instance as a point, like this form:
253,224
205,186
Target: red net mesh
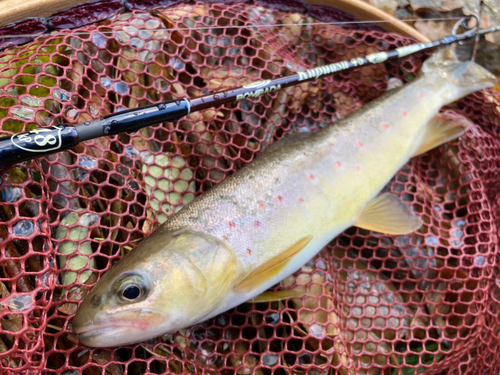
375,304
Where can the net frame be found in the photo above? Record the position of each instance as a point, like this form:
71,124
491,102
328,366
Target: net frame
314,334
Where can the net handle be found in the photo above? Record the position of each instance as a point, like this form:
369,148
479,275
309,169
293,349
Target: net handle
15,10
366,12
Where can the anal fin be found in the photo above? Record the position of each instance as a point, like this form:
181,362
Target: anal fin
443,127
271,268
277,296
387,214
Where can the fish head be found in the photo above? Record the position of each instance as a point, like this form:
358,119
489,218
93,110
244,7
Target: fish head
118,309
159,287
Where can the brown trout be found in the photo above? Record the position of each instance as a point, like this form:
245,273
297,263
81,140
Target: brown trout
264,222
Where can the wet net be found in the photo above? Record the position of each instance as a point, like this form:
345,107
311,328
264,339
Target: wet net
374,304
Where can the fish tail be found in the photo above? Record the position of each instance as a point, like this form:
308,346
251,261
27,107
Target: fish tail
462,77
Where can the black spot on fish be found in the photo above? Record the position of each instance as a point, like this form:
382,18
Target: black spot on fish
95,300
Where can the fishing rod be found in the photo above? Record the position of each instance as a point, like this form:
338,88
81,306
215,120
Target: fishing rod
46,141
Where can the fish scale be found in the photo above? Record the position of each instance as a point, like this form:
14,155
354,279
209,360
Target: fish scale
264,222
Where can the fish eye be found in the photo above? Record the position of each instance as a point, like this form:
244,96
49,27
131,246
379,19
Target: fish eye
131,292
132,287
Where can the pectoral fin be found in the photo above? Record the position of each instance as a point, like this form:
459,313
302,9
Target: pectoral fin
443,127
271,268
387,214
277,296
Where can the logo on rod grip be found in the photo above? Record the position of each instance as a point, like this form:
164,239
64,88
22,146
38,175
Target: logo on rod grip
259,91
39,140
256,85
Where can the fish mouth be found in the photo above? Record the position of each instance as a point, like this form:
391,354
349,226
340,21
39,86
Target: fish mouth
91,329
118,329
85,334
113,335
103,337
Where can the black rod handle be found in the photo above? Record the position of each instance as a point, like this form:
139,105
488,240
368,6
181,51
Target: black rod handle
132,120
46,141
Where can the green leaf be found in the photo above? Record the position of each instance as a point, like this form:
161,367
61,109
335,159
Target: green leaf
19,63
13,126
411,359
55,41
6,57
408,371
47,49
39,91
60,60
432,347
424,359
9,72
47,81
7,102
26,54
4,81
427,359
16,90
40,59
53,70
37,177
3,113
32,69
69,247
31,127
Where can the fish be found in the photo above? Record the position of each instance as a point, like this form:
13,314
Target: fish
262,223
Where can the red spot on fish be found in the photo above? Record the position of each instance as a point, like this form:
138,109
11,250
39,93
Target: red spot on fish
311,177
261,204
301,201
256,224
360,144
232,225
249,252
405,113
385,126
338,164
421,95
280,199
358,168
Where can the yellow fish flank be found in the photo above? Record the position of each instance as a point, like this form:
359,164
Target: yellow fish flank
264,222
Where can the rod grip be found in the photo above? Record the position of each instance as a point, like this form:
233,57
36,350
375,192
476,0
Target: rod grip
45,141
36,143
132,120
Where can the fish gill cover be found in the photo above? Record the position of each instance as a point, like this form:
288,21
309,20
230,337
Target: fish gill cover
375,304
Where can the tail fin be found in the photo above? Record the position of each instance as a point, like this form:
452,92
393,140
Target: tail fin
463,77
